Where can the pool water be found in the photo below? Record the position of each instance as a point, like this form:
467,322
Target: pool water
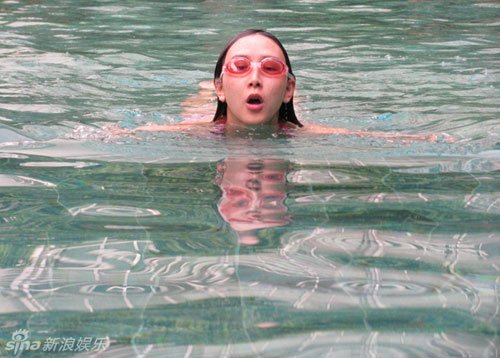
188,245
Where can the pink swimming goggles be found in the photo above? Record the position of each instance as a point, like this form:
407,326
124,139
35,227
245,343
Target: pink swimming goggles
269,66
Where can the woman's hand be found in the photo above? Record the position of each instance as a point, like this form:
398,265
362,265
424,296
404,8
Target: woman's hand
117,131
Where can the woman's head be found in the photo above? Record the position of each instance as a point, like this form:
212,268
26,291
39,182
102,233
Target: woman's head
257,96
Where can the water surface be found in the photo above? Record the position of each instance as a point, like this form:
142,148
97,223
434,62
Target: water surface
183,245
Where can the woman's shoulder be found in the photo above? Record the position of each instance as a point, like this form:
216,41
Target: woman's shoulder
314,128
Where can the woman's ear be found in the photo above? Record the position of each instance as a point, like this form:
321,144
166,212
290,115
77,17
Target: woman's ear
219,90
290,90
221,168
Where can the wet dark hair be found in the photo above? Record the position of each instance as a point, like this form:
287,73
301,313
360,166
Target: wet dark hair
286,112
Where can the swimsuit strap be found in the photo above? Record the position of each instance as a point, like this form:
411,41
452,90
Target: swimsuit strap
219,126
284,128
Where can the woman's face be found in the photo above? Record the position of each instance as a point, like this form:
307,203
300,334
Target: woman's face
237,90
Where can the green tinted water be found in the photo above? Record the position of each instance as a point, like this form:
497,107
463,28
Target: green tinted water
203,246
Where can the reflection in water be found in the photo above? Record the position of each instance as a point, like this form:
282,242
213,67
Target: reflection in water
402,263
253,194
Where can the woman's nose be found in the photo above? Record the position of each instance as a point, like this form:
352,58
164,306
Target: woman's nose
255,80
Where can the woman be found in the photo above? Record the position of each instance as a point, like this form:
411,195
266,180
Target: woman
255,85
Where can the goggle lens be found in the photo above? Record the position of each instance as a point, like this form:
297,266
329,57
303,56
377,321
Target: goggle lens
270,66
239,66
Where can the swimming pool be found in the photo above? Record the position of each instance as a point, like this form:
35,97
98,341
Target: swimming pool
349,246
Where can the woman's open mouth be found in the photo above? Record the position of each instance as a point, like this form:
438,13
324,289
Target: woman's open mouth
255,102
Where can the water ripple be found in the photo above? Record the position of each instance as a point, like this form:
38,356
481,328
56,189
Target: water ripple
116,211
76,165
20,180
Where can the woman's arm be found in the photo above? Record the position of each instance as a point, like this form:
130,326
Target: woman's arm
199,108
201,104
431,137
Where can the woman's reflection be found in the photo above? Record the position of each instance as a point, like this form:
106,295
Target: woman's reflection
253,194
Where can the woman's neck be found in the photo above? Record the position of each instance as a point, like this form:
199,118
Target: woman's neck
233,125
